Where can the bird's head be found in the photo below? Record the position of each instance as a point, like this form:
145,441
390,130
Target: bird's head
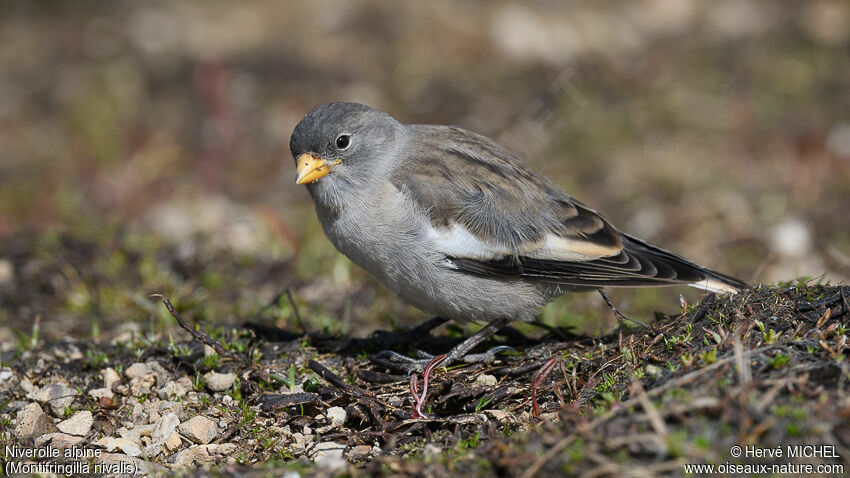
340,146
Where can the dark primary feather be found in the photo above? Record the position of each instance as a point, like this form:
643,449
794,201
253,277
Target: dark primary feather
638,264
458,176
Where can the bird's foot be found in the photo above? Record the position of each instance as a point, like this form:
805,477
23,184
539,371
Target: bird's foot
397,361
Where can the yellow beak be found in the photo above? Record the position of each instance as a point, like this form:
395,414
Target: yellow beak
310,168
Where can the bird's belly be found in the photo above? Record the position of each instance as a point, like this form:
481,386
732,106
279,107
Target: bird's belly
418,274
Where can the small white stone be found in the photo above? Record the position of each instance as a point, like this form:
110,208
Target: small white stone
5,374
360,452
167,406
172,390
486,380
101,393
224,448
173,442
27,387
145,430
164,428
110,376
336,415
131,435
158,370
137,370
199,429
328,455
218,382
59,441
128,447
58,396
195,453
32,422
79,424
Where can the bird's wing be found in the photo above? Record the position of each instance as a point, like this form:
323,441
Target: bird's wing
490,215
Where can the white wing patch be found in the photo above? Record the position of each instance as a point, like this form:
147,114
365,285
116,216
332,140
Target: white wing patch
712,285
557,248
457,241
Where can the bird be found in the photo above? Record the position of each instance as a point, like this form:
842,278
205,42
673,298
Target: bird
459,227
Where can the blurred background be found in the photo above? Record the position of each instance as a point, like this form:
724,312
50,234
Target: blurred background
144,145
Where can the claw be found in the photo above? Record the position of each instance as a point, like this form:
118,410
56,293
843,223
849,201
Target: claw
397,361
489,355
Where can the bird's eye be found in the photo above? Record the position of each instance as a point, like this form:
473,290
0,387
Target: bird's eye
343,141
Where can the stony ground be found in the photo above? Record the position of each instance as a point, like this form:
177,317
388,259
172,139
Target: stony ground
765,368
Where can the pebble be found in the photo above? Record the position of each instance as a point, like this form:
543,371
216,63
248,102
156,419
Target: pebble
195,453
172,390
155,368
27,386
218,382
110,376
79,424
360,452
328,455
128,447
173,442
164,428
5,374
167,406
142,385
59,441
336,415
199,429
223,448
32,422
101,393
137,370
487,380
58,396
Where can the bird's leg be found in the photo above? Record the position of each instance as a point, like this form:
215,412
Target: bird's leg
460,351
620,316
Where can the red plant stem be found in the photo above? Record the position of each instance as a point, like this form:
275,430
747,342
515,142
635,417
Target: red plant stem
538,380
